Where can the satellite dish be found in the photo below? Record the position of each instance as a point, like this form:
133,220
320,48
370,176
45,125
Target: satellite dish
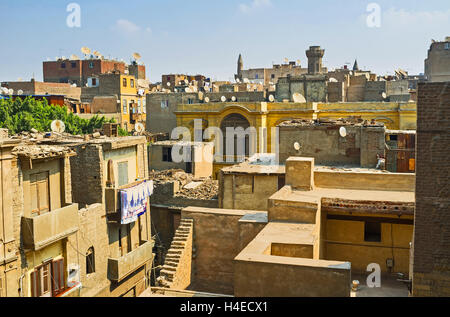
298,62
207,99
223,98
384,95
238,80
297,146
58,126
97,53
10,91
5,90
74,57
233,99
168,84
139,127
333,80
286,60
85,50
186,82
187,89
74,85
271,98
246,80
343,132
20,92
137,56
298,98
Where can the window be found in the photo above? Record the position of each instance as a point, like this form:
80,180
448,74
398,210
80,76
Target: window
447,46
91,65
74,65
123,173
94,81
63,65
90,261
190,101
124,106
256,76
372,231
164,104
273,76
39,193
132,83
167,154
48,279
139,106
124,82
144,106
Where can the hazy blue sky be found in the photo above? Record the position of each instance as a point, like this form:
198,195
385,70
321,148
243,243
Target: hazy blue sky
206,36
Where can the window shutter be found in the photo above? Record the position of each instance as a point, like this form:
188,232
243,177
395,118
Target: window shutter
33,284
58,277
61,274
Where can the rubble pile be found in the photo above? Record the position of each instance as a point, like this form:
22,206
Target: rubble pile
209,188
352,120
41,151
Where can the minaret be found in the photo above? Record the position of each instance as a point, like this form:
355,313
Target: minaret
315,55
240,67
355,66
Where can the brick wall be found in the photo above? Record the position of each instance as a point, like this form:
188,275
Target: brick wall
87,182
431,259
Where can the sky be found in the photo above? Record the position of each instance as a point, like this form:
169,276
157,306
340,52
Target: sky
207,36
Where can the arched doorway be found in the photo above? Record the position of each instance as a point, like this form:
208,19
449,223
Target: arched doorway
235,121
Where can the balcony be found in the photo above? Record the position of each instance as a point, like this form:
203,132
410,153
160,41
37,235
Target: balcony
119,268
43,230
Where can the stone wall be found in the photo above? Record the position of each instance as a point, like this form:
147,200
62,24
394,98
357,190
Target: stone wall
87,184
431,260
93,233
216,236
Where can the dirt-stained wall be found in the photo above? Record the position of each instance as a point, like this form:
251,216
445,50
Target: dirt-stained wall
215,245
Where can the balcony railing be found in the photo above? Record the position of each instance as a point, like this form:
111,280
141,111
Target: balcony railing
40,231
119,268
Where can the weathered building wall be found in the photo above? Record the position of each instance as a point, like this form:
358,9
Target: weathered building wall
324,143
90,190
216,236
361,180
161,118
247,191
289,277
345,242
437,65
92,233
11,209
431,263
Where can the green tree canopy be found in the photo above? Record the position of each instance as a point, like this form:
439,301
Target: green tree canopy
25,114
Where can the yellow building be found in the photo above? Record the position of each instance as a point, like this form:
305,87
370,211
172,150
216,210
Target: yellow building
133,102
396,116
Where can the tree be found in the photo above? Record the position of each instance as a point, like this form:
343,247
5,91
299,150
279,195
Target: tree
25,114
